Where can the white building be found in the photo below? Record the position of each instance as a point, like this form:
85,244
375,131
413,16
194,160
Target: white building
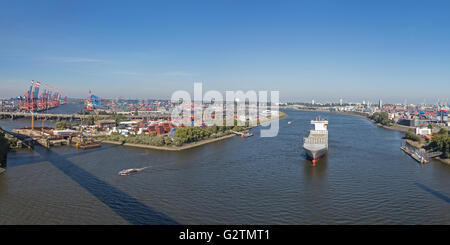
423,131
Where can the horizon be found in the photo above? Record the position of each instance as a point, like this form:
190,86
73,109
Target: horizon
318,102
319,50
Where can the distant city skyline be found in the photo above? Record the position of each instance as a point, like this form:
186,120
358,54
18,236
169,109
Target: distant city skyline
322,50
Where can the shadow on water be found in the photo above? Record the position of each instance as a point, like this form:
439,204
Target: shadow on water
124,205
26,161
37,159
88,151
434,192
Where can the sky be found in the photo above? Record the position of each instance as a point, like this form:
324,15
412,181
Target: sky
322,50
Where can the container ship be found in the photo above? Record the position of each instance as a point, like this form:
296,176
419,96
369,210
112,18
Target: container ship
316,144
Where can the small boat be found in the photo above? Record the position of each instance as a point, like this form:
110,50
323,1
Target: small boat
289,122
245,135
128,171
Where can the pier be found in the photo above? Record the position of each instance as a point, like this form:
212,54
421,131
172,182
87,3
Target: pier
417,155
23,141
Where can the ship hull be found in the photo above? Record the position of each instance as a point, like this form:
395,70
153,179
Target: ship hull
316,154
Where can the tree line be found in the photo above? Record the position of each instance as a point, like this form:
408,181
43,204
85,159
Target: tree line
411,136
381,117
441,141
4,148
183,135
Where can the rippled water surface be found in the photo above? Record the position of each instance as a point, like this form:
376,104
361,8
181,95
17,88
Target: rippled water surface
365,179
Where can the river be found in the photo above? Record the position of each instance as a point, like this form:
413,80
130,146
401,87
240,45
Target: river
365,179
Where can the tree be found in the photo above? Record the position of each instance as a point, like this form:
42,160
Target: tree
443,131
158,140
441,141
177,142
212,130
90,120
62,125
190,134
381,117
118,118
4,147
412,136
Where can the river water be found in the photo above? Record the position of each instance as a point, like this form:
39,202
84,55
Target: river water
365,179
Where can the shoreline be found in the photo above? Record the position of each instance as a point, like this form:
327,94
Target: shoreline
190,145
396,127
171,148
442,160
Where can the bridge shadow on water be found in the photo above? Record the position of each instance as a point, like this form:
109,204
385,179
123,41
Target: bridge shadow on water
128,207
40,158
434,192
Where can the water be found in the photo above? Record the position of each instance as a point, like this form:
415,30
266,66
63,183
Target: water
66,109
365,179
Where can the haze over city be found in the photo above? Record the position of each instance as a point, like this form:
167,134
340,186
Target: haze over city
357,50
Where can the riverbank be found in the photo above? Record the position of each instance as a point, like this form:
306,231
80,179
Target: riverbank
281,116
396,127
172,148
189,145
446,161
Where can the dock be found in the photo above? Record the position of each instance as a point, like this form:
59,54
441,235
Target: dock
23,141
416,155
42,137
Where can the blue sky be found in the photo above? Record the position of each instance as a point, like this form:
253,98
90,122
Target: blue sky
305,49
